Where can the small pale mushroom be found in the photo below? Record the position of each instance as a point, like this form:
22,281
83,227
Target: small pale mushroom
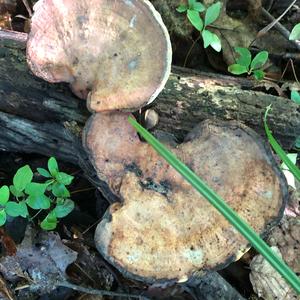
163,229
116,54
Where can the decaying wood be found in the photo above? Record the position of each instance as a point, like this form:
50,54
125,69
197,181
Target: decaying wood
33,113
188,98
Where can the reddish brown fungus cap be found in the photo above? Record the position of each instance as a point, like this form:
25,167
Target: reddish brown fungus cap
163,228
117,54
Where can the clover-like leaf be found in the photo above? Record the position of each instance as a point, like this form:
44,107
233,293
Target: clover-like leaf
38,201
63,208
34,188
59,190
2,217
259,74
44,172
195,19
15,209
212,13
244,56
64,178
4,195
211,39
199,7
259,60
295,34
50,222
22,178
295,96
15,192
53,166
182,8
237,69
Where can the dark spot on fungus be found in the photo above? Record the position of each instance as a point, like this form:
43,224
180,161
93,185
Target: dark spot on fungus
134,168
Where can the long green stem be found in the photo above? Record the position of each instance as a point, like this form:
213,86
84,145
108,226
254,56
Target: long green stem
277,148
244,228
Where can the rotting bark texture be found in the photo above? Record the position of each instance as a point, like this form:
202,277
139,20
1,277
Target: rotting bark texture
187,99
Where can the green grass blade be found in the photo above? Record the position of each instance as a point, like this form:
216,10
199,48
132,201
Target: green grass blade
277,148
222,207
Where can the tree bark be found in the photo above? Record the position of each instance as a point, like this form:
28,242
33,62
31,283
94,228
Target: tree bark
32,111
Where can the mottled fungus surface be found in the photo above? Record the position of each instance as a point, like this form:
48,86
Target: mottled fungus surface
163,229
116,54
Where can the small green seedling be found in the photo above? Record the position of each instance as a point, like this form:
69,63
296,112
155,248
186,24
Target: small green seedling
51,195
295,34
245,64
295,96
193,10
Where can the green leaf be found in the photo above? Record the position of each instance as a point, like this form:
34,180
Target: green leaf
62,209
198,7
214,199
237,69
195,19
295,96
15,209
259,60
14,191
295,34
191,3
38,202
59,190
212,13
244,56
34,188
4,195
181,8
50,222
2,217
207,38
22,178
44,172
211,39
64,178
53,166
259,74
277,148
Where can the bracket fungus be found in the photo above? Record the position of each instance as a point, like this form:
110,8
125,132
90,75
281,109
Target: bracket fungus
163,229
116,54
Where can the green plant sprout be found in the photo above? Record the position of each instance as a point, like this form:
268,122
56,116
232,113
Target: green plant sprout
277,148
214,199
295,33
295,96
52,195
193,10
245,63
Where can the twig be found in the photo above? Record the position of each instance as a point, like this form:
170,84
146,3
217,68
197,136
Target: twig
15,36
98,292
190,50
91,226
290,61
275,21
284,32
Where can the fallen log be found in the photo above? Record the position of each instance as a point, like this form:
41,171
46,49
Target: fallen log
188,98
35,116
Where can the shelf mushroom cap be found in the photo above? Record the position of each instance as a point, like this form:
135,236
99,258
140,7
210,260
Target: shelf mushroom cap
116,54
163,229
